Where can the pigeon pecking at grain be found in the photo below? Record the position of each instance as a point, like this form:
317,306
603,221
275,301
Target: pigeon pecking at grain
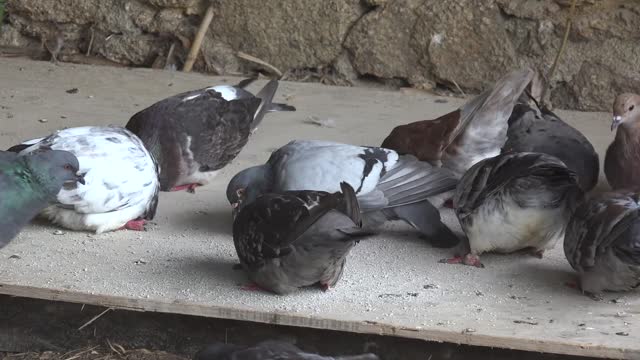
29,183
602,243
121,189
296,239
512,202
388,186
196,133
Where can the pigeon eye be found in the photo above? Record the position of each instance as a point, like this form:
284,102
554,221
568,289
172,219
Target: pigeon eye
67,167
631,107
240,192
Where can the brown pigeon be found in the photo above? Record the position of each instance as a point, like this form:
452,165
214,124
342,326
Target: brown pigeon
461,138
623,155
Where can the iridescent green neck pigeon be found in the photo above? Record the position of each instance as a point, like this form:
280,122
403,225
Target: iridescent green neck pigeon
29,183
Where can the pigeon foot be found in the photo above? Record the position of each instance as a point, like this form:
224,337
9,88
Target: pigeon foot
135,225
448,203
538,253
592,296
191,188
324,287
469,259
252,287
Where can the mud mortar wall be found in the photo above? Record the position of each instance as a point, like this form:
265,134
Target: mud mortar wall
421,43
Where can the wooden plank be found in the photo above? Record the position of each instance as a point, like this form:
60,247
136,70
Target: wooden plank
283,318
393,283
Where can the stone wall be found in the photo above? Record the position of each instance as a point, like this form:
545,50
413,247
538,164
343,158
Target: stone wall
421,43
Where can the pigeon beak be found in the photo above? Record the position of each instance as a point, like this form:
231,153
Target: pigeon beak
80,178
617,120
235,210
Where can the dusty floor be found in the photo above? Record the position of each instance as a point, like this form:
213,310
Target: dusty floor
392,282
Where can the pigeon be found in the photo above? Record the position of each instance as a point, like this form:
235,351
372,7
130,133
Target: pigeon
602,243
296,239
540,130
267,350
512,202
196,133
461,138
388,186
29,183
623,155
121,189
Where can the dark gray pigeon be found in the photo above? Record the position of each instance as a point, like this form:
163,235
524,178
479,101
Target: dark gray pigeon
389,186
512,202
602,243
196,133
29,183
539,130
267,350
295,239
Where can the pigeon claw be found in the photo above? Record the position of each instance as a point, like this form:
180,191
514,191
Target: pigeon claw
448,203
135,225
469,259
538,253
190,188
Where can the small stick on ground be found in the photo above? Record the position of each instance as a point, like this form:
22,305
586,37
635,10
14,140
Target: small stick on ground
254,59
90,41
94,319
197,41
459,88
560,51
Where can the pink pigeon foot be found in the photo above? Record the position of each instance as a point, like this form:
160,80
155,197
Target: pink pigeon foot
324,287
539,253
191,188
135,225
252,287
448,203
469,259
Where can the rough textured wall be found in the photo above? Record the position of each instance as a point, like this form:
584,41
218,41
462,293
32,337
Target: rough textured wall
423,43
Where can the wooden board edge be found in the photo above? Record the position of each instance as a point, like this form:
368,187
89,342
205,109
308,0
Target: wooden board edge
288,319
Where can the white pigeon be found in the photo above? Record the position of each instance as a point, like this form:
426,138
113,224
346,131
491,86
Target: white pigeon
121,179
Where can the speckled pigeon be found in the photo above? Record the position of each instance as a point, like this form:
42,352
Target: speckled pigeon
267,350
622,161
512,202
121,177
602,243
196,133
389,186
29,183
461,138
540,130
295,239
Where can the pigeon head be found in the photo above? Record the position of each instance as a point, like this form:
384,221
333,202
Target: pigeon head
217,351
626,109
248,184
56,166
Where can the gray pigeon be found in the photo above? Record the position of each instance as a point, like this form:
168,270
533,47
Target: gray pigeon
602,243
196,133
512,202
295,239
540,130
267,350
122,186
29,183
389,186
